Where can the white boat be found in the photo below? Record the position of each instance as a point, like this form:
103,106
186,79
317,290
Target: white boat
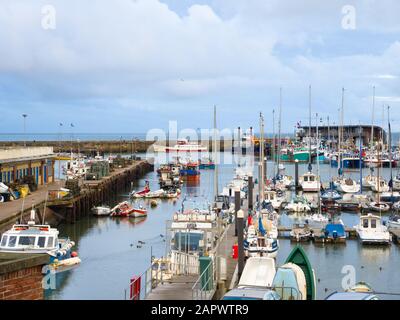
155,194
258,272
318,219
380,186
396,183
183,145
310,182
35,238
257,245
273,198
101,211
347,185
298,204
379,206
394,222
370,230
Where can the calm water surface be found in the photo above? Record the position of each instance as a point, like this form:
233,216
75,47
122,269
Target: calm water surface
110,256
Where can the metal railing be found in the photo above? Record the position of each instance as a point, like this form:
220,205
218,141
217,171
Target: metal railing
206,285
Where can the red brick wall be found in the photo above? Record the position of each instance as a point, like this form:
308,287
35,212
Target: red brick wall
24,284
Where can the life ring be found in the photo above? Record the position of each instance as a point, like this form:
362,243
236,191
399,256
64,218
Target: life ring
1,198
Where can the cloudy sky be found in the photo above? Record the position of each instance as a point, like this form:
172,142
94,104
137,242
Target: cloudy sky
133,65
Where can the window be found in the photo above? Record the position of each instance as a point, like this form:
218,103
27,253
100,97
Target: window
50,242
26,241
4,241
305,179
41,242
373,223
12,242
365,223
311,178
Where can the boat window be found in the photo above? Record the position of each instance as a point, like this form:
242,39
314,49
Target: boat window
26,241
4,241
305,178
50,242
12,241
373,223
365,223
41,242
311,178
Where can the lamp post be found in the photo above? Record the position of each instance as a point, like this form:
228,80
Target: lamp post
24,116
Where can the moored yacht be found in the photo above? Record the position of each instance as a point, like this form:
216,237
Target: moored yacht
371,230
310,182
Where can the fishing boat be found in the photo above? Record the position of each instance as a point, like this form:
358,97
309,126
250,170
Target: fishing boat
75,169
310,182
347,185
370,230
299,257
32,238
101,211
206,163
190,172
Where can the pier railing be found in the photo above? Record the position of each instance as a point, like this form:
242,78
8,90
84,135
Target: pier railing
206,285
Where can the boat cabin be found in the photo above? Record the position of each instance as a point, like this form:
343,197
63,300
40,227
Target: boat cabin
35,238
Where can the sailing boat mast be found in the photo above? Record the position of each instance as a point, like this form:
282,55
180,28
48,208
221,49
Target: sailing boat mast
318,178
341,136
309,128
215,155
372,126
390,153
261,183
273,153
279,127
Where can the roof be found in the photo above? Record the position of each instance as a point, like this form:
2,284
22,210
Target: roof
350,296
21,154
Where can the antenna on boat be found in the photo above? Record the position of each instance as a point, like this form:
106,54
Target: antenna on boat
22,209
45,206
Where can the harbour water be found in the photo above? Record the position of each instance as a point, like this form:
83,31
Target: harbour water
111,253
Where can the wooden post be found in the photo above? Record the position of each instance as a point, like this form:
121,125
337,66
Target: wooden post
296,174
240,225
250,193
237,208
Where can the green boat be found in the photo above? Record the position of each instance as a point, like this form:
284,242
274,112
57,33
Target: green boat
299,257
301,154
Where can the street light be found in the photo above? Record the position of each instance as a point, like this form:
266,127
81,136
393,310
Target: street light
24,116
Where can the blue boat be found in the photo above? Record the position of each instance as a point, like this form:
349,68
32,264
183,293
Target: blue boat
334,232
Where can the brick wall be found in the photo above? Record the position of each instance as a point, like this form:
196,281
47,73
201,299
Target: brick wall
25,284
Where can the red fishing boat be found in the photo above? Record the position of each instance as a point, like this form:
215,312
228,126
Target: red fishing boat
141,194
124,209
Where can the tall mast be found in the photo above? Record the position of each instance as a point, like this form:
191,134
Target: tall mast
273,141
261,196
309,127
390,152
341,134
318,178
215,155
279,127
372,125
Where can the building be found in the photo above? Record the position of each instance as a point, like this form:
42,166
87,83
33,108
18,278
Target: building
16,163
350,132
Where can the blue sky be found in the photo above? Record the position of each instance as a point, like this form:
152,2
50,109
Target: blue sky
133,65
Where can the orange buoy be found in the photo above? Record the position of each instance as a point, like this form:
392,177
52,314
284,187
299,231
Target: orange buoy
74,254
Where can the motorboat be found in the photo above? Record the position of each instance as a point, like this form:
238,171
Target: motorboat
124,209
361,291
380,186
394,222
379,206
101,211
318,219
142,193
391,197
32,238
334,232
330,195
298,204
300,234
347,185
310,182
275,198
370,230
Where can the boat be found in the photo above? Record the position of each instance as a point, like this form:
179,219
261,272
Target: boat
290,282
394,222
298,204
347,185
370,230
75,169
382,186
334,232
124,209
155,194
276,199
259,242
258,272
32,238
391,197
299,257
361,291
142,193
330,195
206,163
318,219
251,293
101,211
310,182
378,206
300,234
183,145
190,172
